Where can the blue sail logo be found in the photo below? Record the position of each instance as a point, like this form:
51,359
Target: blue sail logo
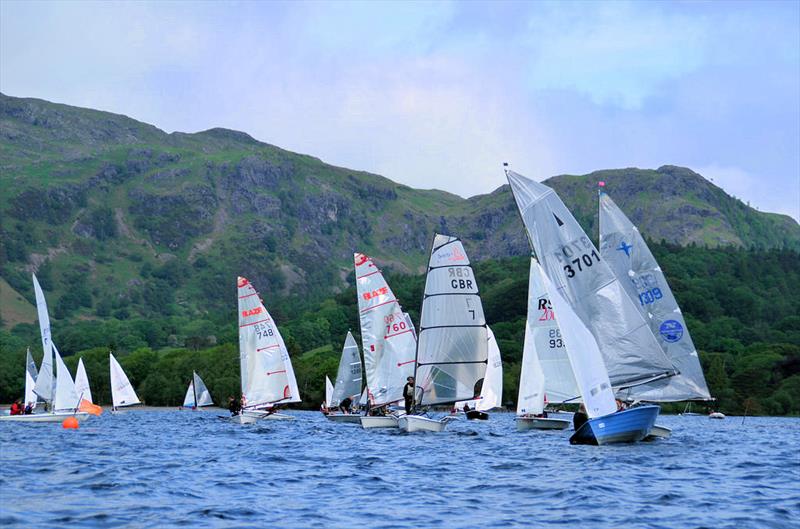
671,331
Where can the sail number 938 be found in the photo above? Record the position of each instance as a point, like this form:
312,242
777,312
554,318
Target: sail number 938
581,263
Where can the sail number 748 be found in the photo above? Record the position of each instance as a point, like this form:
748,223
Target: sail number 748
584,261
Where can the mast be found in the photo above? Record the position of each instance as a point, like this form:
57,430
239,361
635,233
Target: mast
194,387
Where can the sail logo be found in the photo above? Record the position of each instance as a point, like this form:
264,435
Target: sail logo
455,255
375,293
624,247
546,309
671,331
360,259
251,312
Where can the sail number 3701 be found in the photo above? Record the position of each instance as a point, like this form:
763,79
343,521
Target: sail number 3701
581,263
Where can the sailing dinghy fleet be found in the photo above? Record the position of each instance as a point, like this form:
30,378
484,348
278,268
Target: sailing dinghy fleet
603,330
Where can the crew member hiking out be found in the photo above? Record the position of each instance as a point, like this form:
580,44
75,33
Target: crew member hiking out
408,394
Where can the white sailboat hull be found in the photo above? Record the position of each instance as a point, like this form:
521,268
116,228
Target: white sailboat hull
541,423
716,415
351,418
659,432
44,417
415,423
388,421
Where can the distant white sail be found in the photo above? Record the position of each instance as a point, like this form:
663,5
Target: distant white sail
546,374
584,355
82,382
66,398
122,393
30,379
267,375
492,390
570,260
348,378
203,396
625,250
188,399
328,392
452,353
45,383
388,341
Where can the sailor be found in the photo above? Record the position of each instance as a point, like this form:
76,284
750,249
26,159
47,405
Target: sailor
579,418
16,408
408,394
29,408
234,406
344,406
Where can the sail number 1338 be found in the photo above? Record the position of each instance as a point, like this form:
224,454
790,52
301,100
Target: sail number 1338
581,263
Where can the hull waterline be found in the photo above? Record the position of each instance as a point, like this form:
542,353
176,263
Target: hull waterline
542,423
387,421
416,423
347,418
44,417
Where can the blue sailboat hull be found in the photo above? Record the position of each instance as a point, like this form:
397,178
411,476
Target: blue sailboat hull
627,426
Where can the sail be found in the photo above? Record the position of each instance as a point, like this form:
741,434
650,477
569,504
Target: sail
452,352
492,390
30,379
201,391
65,398
45,383
265,377
293,394
625,251
584,356
546,374
362,401
388,341
82,382
122,393
570,260
348,379
188,399
328,392
410,324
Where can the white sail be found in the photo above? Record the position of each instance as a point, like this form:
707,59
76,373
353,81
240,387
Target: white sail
45,383
188,399
388,342
452,353
625,250
122,393
584,356
294,391
82,382
201,393
328,392
65,398
30,379
362,401
348,378
492,390
410,324
570,260
546,374
265,377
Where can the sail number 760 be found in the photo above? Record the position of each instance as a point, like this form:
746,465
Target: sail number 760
582,262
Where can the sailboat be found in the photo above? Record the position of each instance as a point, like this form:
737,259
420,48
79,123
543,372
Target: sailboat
492,390
267,374
348,383
82,382
546,375
122,392
453,344
387,340
630,352
197,395
626,252
58,390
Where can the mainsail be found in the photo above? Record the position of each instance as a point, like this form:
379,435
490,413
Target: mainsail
328,392
492,390
65,398
625,251
122,393
452,351
197,394
30,379
570,260
348,379
266,370
546,374
386,337
45,384
82,382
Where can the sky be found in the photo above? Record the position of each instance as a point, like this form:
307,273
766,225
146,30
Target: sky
438,95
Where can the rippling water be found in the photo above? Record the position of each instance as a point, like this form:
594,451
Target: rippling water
190,469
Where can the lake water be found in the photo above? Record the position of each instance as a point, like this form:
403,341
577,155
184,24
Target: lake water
190,469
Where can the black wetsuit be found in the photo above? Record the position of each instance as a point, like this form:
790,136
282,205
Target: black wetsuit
579,419
408,395
235,407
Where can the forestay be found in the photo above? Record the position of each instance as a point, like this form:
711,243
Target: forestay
30,379
492,390
348,379
625,250
452,353
45,383
122,393
584,356
387,339
66,399
570,260
546,374
82,382
263,358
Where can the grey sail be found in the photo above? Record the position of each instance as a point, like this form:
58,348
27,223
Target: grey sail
452,347
348,379
575,267
625,251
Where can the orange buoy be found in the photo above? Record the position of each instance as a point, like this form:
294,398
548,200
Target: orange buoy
70,422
